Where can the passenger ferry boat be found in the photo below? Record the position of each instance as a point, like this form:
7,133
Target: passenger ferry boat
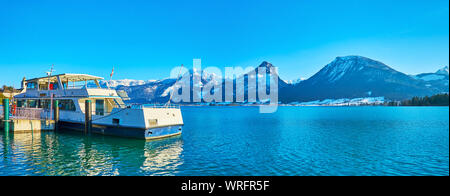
110,115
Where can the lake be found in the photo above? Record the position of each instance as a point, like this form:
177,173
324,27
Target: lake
241,141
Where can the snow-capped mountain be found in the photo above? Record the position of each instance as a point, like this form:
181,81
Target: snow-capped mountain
443,71
345,78
438,80
149,92
258,77
296,81
240,81
124,82
353,77
343,102
158,91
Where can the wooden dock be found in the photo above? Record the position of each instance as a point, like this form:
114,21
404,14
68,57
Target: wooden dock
25,125
27,119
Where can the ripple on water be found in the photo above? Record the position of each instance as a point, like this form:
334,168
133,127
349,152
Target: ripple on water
240,141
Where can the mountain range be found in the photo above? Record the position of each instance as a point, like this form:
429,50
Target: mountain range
346,77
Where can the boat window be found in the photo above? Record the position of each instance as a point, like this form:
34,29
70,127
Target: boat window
67,105
99,107
53,86
25,103
119,103
76,85
20,103
43,87
32,103
44,104
31,85
115,121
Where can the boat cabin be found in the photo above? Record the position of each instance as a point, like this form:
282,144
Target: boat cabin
72,90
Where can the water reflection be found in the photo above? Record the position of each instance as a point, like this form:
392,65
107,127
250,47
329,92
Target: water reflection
69,153
238,141
163,157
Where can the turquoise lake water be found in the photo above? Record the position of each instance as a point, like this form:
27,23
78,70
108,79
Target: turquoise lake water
241,141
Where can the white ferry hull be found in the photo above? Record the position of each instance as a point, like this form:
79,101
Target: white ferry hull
122,131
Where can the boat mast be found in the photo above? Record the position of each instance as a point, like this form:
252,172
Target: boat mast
48,83
49,74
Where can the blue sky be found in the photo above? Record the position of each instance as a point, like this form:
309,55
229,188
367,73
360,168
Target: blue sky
146,39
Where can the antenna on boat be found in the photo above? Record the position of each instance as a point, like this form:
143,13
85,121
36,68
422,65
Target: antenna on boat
171,94
49,73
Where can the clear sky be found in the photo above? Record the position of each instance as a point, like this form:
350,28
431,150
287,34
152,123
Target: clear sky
146,39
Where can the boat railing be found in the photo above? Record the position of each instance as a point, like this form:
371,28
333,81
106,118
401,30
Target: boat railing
84,87
142,106
76,87
28,113
32,113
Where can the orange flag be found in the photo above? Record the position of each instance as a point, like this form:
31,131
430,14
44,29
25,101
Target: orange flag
112,72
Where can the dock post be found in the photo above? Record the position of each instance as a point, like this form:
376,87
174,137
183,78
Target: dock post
88,116
56,113
6,114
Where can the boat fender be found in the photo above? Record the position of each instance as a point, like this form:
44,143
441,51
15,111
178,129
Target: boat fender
14,107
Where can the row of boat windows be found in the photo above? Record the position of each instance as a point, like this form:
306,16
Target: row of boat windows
33,85
64,104
55,86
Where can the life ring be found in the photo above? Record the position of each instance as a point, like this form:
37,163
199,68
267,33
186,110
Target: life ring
14,108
